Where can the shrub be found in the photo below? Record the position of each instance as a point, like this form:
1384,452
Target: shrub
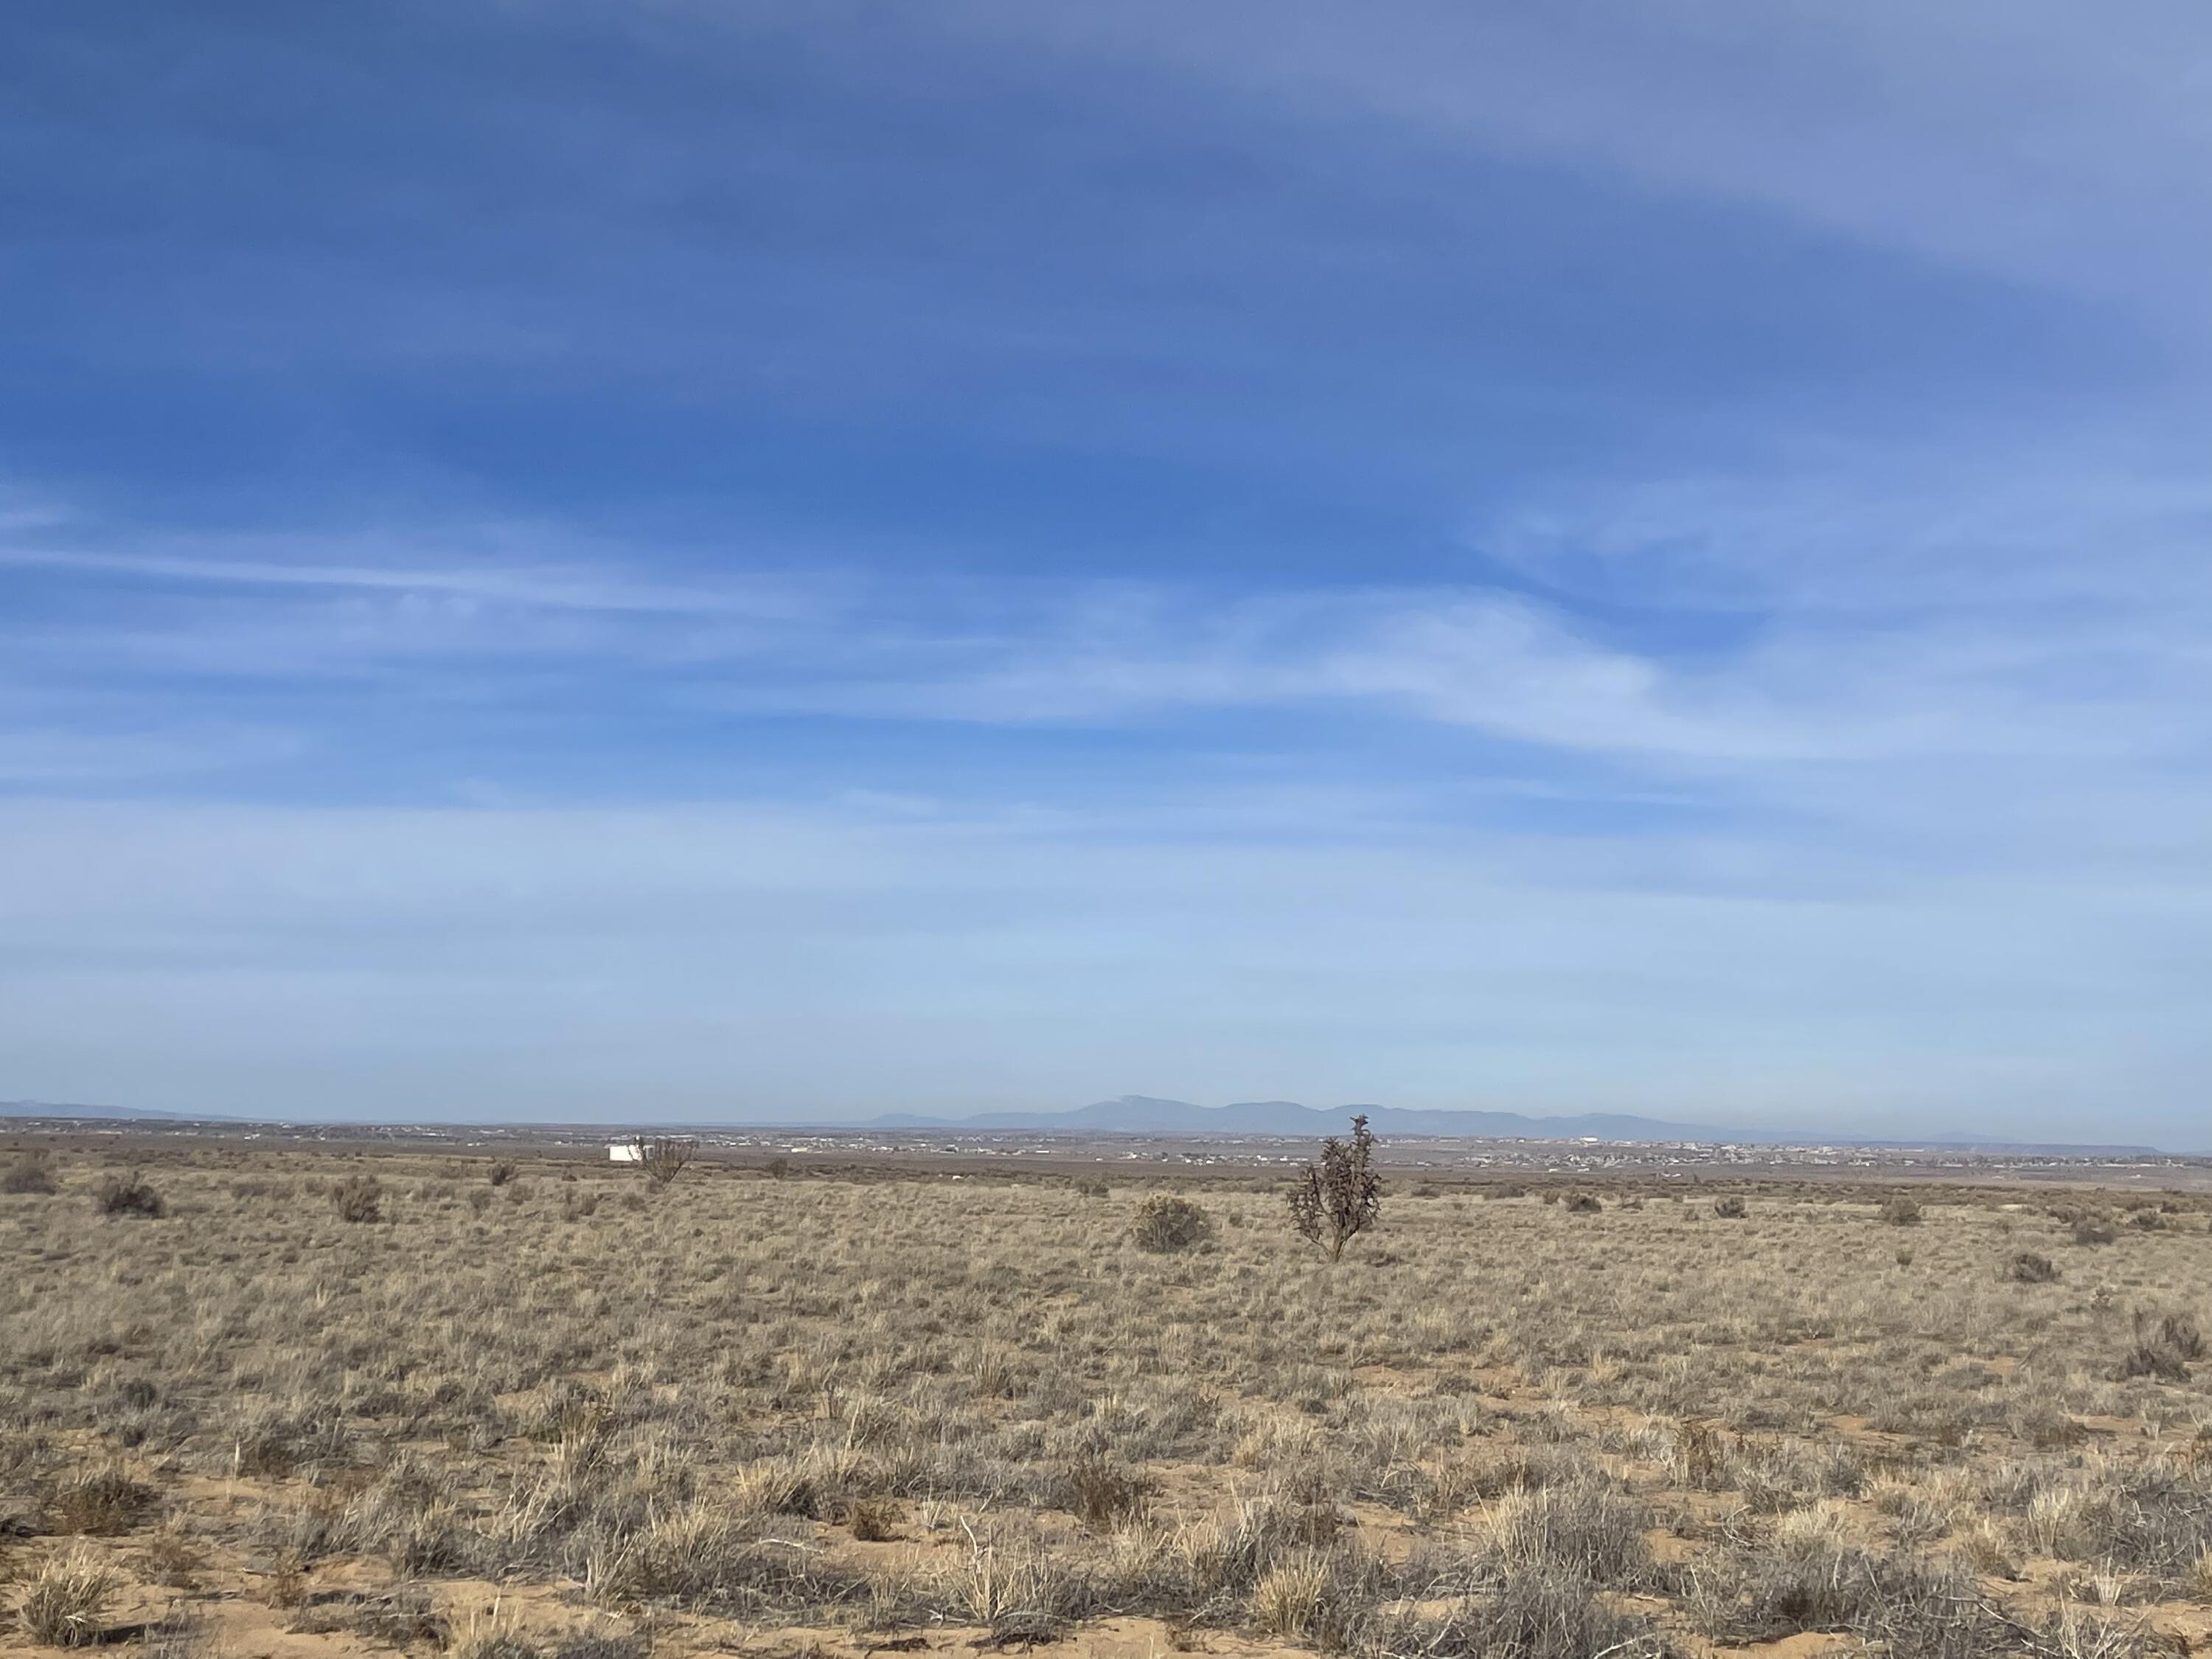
1583,1203
128,1195
1340,1196
358,1198
2093,1229
576,1206
479,1200
2179,1332
1097,1187
664,1157
2029,1268
778,1167
1729,1209
101,1505
1102,1493
1901,1212
872,1520
1805,1578
64,1606
29,1175
1537,1611
2163,1347
1166,1223
501,1172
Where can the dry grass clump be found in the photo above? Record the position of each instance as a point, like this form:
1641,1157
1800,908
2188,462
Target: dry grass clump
65,1603
394,1619
30,1176
128,1194
1540,1612
1165,1223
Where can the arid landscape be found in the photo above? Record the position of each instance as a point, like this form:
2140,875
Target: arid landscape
297,1399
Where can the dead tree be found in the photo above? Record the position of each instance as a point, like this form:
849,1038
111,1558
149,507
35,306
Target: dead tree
663,1157
1339,1195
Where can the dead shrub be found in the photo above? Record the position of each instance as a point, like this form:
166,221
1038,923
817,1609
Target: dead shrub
174,1562
1339,1195
100,1505
1806,1578
1535,1611
1102,1493
663,1157
30,1176
2163,1347
1165,1223
358,1198
128,1194
502,1171
1701,1456
872,1520
1901,1212
2027,1267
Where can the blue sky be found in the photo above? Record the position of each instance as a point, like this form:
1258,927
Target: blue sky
603,560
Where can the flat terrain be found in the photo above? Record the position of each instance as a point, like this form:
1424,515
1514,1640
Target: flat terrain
834,1408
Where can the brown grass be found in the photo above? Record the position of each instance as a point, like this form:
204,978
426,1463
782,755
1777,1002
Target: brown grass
976,1412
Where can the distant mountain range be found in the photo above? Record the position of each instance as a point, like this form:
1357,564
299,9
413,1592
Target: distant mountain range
1147,1115
59,1108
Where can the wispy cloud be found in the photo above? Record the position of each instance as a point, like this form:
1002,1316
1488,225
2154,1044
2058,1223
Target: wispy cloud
2037,141
1586,554
1840,618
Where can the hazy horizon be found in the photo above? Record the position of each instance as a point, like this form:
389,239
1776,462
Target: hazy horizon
858,1119
1592,558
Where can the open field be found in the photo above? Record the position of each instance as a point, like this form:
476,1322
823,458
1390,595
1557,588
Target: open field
890,1410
